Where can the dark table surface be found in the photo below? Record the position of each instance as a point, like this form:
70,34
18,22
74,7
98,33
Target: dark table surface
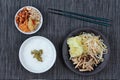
56,28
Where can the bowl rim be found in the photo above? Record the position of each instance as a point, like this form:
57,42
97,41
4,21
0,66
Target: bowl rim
39,26
53,61
85,73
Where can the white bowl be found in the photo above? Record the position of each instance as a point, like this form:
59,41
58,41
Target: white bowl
38,27
31,64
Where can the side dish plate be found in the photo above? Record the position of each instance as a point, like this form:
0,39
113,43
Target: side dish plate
66,56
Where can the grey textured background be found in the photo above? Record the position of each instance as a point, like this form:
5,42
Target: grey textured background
56,28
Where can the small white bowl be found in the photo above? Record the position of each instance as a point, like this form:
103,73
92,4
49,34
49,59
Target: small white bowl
38,27
31,64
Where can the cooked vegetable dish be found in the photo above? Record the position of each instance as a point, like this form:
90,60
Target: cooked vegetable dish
28,19
86,51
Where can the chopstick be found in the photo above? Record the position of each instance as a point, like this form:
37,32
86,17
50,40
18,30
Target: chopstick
91,19
82,15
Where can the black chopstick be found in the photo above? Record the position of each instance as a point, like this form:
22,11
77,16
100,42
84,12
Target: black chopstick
82,15
83,19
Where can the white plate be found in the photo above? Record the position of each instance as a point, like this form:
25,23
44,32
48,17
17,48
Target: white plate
30,63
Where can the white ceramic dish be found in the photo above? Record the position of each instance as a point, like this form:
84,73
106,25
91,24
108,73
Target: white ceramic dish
38,27
31,64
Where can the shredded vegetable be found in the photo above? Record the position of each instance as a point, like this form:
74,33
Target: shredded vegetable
86,51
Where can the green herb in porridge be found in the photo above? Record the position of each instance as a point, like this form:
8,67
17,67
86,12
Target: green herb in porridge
37,54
